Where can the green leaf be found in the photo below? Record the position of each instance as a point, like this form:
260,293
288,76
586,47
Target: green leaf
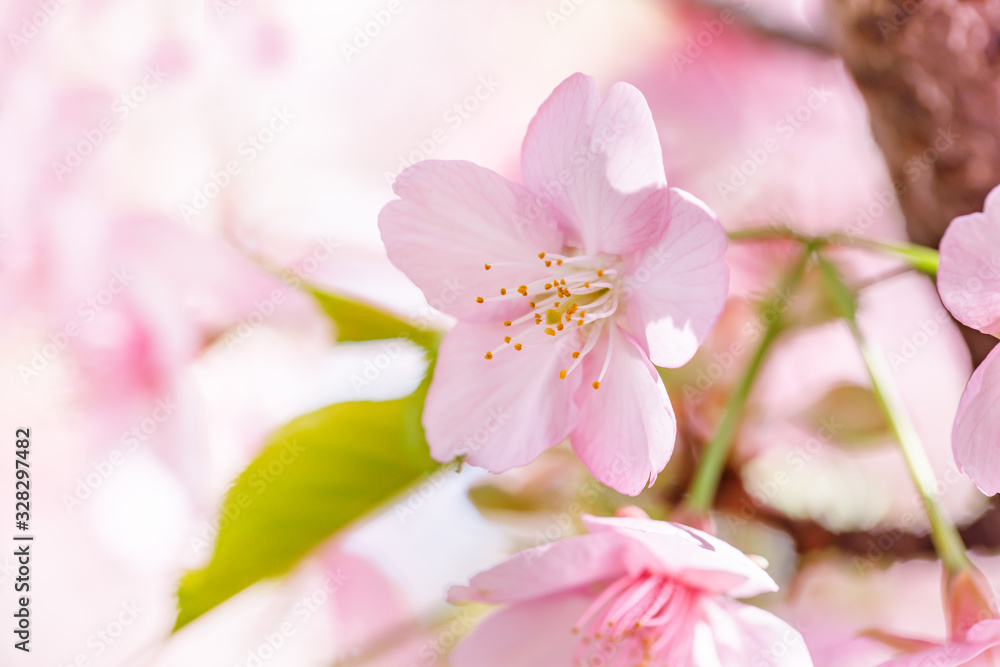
358,321
316,475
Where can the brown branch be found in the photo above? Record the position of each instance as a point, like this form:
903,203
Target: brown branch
929,71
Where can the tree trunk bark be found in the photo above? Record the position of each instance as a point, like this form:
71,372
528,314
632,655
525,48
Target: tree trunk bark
929,71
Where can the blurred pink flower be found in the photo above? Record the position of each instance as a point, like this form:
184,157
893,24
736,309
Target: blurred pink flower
632,591
596,265
974,640
969,283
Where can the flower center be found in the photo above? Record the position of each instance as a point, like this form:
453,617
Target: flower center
572,304
648,609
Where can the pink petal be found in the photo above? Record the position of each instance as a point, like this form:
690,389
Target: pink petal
956,654
691,556
733,633
974,437
557,567
969,272
501,412
598,161
451,219
627,427
676,289
538,633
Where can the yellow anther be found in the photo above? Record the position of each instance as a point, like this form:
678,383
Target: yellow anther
506,323
487,267
548,285
489,355
560,326
600,272
541,255
576,355
479,299
506,339
517,346
523,289
503,291
550,331
548,262
596,385
558,262
562,374
531,304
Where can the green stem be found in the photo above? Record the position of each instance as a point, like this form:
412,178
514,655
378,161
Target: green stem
947,542
701,492
919,257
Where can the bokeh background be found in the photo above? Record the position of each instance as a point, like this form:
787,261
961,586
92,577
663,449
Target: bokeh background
169,171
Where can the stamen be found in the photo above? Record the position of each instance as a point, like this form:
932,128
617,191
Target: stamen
562,374
479,299
503,291
549,331
523,290
607,360
506,339
488,267
506,323
489,355
517,346
541,255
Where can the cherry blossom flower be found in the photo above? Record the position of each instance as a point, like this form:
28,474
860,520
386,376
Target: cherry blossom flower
969,283
632,591
566,291
974,637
